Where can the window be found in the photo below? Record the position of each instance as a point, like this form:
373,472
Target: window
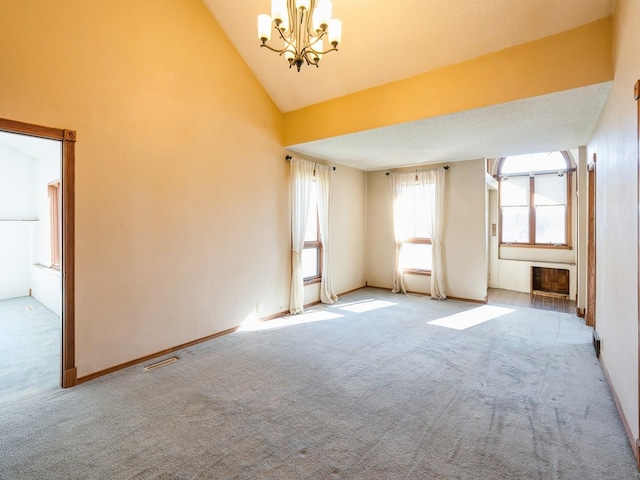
412,215
54,192
312,251
535,200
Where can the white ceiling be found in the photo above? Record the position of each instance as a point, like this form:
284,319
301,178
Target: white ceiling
559,121
34,147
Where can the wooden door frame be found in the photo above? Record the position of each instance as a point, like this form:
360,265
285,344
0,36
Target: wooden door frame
68,371
636,96
590,316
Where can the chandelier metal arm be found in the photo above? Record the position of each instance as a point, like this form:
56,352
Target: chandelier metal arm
302,29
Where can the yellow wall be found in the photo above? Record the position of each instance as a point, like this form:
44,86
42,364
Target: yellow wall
531,69
182,189
616,145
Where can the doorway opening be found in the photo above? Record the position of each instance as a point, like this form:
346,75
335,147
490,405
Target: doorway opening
41,222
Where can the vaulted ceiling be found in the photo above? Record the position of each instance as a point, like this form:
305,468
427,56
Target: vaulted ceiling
386,41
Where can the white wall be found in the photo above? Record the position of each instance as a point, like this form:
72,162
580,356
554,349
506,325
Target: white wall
24,227
46,286
615,143
17,212
464,239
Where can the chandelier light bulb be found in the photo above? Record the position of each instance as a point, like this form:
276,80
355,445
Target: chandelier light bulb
322,15
279,12
335,32
264,28
302,26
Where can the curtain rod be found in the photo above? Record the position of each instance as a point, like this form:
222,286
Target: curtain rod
446,167
288,158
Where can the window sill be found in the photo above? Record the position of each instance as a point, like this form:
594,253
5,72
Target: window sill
312,281
55,270
528,245
424,273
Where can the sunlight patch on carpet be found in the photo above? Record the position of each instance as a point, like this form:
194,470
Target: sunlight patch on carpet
471,318
364,305
252,324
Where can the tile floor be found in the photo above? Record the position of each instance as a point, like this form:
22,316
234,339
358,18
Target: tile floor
520,299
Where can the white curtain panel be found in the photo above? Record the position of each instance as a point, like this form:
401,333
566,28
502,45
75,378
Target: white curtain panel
400,183
435,203
324,179
430,185
301,182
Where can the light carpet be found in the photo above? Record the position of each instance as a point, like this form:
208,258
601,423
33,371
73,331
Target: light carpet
379,386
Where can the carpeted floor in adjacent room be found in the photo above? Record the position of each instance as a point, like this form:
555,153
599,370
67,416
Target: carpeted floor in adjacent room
378,386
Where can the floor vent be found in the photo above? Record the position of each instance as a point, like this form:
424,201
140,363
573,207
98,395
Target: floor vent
161,363
596,343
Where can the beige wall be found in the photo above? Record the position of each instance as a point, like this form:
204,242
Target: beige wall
464,240
615,143
182,221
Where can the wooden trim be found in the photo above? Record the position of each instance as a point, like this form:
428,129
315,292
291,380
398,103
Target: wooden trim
151,356
569,218
68,257
274,316
470,300
423,294
532,211
542,245
31,129
317,302
590,318
636,96
532,207
580,312
633,442
317,244
417,240
68,139
423,273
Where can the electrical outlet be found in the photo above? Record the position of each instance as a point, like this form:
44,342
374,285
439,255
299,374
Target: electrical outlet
258,307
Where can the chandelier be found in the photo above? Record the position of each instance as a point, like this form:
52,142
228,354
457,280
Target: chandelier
302,25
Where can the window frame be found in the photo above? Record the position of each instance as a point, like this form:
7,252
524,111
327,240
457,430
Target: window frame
416,241
315,244
54,195
568,174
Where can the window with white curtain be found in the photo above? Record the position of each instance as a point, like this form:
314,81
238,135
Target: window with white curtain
413,221
535,200
312,251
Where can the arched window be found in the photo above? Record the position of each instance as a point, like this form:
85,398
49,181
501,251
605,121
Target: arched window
535,199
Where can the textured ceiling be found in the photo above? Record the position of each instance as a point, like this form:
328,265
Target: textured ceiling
557,121
34,147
